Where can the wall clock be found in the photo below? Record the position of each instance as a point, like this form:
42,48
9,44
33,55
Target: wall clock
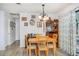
32,22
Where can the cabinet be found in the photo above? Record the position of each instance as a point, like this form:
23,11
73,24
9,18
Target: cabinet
51,28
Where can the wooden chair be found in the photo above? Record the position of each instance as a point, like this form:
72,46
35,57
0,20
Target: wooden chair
25,41
32,45
38,35
42,47
54,37
51,43
26,44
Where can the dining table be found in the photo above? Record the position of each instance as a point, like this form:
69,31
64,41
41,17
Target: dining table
43,38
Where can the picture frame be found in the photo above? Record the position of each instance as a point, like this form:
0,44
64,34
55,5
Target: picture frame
39,24
26,24
33,16
24,18
12,25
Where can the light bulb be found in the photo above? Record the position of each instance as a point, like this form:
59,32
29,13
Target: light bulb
40,17
46,18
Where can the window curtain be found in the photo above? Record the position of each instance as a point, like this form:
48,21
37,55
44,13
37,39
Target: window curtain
67,32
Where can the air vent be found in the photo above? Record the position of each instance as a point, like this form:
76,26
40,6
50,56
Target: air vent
18,3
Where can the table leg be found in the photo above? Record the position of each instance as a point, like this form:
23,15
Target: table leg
54,49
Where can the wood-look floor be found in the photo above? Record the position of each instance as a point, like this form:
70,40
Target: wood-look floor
15,50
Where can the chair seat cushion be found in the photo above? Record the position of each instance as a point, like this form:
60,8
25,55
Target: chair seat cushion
42,47
50,46
32,47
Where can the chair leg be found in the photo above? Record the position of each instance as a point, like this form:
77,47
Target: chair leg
36,52
54,50
46,52
29,52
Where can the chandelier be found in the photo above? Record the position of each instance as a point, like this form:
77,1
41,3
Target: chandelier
43,16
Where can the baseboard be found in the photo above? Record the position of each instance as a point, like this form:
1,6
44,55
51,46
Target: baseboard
11,43
22,46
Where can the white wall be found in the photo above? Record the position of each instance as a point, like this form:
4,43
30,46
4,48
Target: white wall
3,30
30,29
17,29
8,41
6,28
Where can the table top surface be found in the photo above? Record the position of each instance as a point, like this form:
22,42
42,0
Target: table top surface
40,38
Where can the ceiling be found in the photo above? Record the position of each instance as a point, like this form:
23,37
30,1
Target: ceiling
34,7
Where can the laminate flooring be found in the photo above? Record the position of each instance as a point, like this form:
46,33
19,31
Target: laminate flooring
15,50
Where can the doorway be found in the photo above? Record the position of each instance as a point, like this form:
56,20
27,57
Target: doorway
14,29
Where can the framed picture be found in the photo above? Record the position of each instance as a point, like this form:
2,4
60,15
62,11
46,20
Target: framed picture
33,16
24,18
26,24
12,25
39,24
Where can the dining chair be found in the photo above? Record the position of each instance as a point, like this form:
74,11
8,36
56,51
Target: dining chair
38,35
26,44
55,37
51,43
42,47
32,45
25,41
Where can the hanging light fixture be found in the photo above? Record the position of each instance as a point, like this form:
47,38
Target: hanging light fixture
43,16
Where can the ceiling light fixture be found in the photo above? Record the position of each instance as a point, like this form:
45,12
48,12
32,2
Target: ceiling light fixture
43,16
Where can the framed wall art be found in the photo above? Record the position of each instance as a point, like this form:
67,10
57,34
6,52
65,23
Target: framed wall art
39,24
26,24
24,18
33,16
12,25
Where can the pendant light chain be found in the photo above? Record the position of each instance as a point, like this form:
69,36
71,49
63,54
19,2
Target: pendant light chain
43,9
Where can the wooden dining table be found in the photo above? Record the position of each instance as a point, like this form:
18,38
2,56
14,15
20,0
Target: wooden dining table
43,38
